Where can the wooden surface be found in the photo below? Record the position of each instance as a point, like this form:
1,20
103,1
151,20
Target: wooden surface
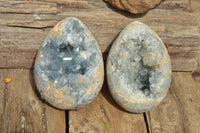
24,24
21,109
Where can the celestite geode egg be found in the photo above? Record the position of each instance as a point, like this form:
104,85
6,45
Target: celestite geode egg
138,69
69,69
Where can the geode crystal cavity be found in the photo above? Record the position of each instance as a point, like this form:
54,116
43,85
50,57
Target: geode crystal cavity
138,69
69,69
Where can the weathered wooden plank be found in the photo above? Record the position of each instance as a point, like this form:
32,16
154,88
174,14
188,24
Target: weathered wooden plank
27,7
176,4
195,7
103,115
55,6
22,28
178,30
180,111
21,108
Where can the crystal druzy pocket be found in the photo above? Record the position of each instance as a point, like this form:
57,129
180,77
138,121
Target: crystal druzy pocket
138,69
69,69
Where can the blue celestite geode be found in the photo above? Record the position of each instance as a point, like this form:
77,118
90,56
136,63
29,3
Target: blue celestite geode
138,69
69,69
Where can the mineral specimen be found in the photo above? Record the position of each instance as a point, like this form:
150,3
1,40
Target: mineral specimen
134,6
69,69
138,69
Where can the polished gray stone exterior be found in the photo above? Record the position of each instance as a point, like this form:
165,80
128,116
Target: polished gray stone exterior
69,68
138,69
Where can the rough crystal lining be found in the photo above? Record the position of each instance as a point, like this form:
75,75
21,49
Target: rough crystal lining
66,58
144,72
73,63
145,83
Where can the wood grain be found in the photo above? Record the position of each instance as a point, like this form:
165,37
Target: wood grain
21,109
55,120
103,115
23,28
176,4
180,111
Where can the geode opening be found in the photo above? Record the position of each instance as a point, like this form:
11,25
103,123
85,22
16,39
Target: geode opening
66,58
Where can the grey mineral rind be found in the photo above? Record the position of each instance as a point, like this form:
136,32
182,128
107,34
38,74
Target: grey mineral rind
138,69
69,68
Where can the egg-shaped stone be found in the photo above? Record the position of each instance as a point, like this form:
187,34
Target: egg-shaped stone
138,69
69,68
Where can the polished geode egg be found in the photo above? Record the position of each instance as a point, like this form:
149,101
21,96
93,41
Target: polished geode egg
138,69
69,69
